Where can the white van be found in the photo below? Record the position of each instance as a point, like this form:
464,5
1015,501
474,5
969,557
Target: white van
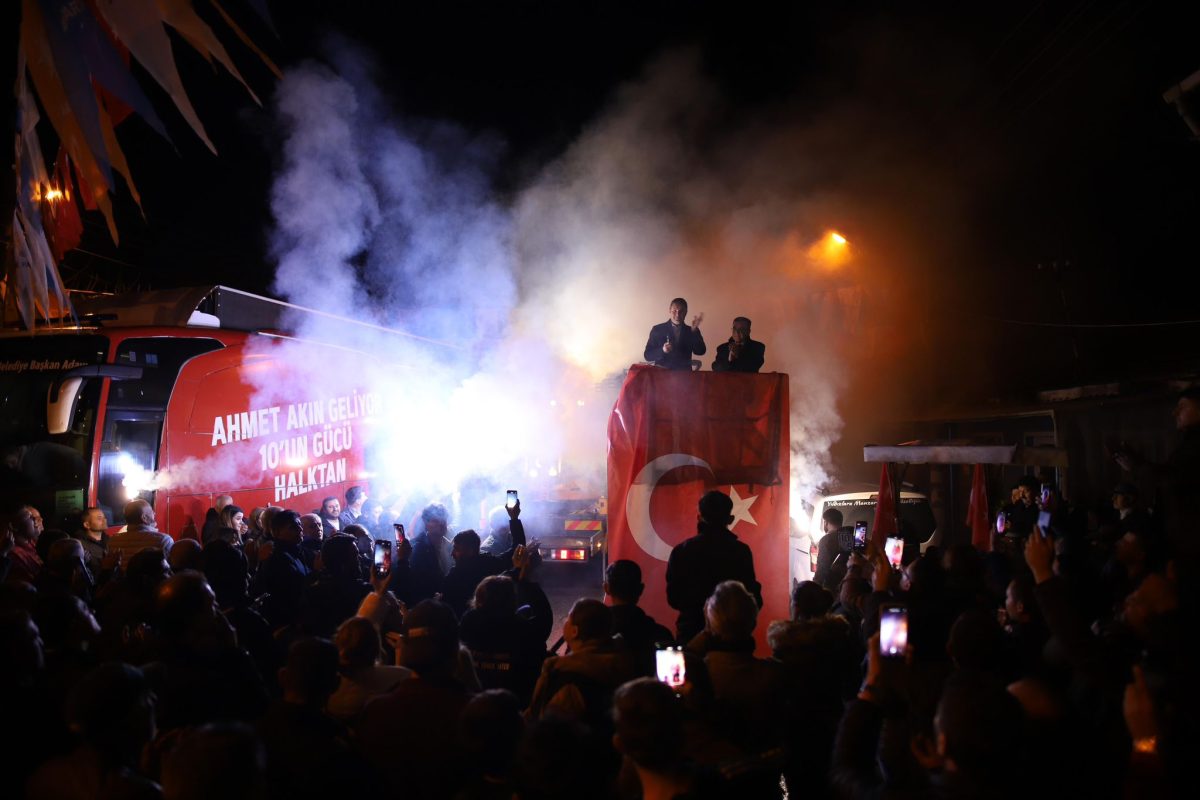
857,503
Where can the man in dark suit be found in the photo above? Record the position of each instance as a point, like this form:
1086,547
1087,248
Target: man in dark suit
740,353
673,343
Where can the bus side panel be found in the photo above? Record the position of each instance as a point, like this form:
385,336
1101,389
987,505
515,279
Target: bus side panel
290,451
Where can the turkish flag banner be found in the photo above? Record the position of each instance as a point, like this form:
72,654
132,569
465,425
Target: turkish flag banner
672,437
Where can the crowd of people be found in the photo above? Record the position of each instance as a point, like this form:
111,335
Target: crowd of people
271,659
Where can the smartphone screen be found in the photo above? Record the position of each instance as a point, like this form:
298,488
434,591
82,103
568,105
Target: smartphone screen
383,558
894,547
860,534
1001,522
512,498
1047,492
399,526
893,632
670,666
1044,521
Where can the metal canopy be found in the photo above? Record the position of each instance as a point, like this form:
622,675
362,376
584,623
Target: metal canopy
961,453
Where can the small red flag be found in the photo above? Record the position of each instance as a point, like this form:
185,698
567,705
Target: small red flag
64,227
978,517
885,511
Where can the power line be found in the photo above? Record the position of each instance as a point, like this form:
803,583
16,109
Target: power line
1035,324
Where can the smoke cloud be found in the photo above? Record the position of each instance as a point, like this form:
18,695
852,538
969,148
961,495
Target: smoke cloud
521,312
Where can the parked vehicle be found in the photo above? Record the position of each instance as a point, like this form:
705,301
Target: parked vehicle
857,504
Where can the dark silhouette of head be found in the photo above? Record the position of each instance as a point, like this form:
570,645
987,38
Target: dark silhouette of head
430,638
496,594
112,710
358,644
810,600
716,509
623,581
589,621
339,556
649,724
222,760
310,674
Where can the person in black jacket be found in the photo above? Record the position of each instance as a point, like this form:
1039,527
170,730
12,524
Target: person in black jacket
698,564
740,353
637,629
283,574
673,343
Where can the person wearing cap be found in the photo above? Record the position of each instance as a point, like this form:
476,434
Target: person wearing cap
740,353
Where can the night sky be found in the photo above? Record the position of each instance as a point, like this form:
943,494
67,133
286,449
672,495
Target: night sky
1077,187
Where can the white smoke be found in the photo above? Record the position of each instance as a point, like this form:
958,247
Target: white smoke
537,299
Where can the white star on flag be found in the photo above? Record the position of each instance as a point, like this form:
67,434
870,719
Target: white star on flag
741,507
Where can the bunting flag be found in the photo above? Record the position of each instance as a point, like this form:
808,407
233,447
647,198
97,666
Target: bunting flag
76,53
978,517
884,524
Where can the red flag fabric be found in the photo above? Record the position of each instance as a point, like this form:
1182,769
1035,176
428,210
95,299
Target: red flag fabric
884,524
64,226
978,516
675,435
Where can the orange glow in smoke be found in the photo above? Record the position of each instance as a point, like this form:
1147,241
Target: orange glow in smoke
831,251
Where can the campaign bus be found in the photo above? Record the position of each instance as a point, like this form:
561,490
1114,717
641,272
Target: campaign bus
177,397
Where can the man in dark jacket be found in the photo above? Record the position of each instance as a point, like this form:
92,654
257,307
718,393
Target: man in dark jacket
1177,479
673,343
283,574
740,353
471,566
431,559
710,557
638,630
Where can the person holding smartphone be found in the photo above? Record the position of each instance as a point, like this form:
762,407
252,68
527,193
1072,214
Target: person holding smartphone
740,353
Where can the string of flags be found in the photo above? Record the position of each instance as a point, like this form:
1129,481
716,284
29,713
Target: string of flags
75,56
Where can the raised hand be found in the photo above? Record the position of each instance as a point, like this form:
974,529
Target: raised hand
1039,555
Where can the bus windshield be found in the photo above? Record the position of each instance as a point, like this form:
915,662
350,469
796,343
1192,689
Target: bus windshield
49,472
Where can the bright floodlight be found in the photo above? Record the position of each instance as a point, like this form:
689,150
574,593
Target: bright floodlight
837,238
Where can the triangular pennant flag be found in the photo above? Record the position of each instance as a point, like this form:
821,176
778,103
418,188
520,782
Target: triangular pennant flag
180,15
22,273
72,72
246,40
118,155
139,25
36,49
260,7
88,38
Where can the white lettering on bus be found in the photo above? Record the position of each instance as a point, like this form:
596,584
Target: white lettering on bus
245,425
332,440
290,451
302,415
302,481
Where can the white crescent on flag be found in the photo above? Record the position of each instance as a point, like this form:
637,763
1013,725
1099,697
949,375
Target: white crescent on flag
637,502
